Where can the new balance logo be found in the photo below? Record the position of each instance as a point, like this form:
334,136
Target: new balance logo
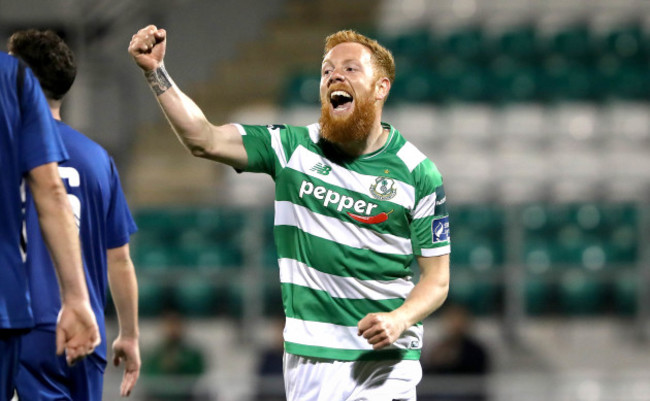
321,168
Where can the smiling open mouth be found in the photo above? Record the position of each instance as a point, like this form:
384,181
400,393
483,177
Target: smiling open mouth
340,99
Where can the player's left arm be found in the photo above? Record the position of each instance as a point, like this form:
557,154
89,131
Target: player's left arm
383,329
124,290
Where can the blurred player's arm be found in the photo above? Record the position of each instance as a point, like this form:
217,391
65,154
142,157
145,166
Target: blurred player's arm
196,133
124,290
77,330
382,329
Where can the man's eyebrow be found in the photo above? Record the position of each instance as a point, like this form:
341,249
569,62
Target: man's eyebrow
346,61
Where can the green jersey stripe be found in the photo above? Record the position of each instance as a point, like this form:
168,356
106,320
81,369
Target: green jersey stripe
297,273
351,355
327,335
318,306
327,257
338,231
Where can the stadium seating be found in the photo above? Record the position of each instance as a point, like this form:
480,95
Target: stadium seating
578,259
584,254
520,63
197,297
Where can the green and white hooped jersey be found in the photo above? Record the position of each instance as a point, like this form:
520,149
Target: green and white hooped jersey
346,235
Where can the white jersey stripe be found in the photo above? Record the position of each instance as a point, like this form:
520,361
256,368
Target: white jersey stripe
294,272
304,160
335,230
276,144
321,334
411,156
241,129
426,207
314,132
441,250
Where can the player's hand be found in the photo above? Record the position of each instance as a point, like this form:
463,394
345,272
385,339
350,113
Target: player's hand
381,329
76,331
147,47
126,349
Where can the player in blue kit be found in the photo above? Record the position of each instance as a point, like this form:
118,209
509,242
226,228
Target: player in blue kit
105,225
30,148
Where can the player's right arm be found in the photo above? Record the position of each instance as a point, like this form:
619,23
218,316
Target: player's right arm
203,139
77,330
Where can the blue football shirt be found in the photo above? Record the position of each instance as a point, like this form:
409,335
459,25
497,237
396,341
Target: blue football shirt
28,139
104,220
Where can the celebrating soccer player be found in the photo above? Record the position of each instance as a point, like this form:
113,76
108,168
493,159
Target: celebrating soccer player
355,202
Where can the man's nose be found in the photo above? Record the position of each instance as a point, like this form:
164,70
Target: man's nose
335,76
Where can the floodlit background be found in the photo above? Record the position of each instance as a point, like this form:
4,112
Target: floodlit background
536,112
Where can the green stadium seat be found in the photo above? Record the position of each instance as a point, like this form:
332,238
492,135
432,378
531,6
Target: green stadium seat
468,84
152,297
519,43
625,292
273,299
416,44
562,80
609,231
539,295
581,294
483,224
151,258
477,238
481,297
540,257
302,89
196,296
466,43
629,82
574,42
625,43
417,85
510,81
623,244
234,303
270,257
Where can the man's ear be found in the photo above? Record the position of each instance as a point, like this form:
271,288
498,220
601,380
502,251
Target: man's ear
382,87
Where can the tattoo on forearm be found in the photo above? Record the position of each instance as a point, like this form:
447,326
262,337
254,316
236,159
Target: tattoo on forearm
159,80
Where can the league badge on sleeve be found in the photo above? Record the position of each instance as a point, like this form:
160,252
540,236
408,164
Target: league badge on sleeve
440,229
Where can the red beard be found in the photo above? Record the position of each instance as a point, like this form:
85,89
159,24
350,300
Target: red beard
354,128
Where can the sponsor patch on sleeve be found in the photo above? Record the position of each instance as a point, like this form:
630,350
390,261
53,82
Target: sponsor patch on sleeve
440,229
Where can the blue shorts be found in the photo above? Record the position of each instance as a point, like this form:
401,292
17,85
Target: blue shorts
45,376
9,351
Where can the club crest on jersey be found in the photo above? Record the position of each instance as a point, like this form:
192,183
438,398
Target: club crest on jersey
383,188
